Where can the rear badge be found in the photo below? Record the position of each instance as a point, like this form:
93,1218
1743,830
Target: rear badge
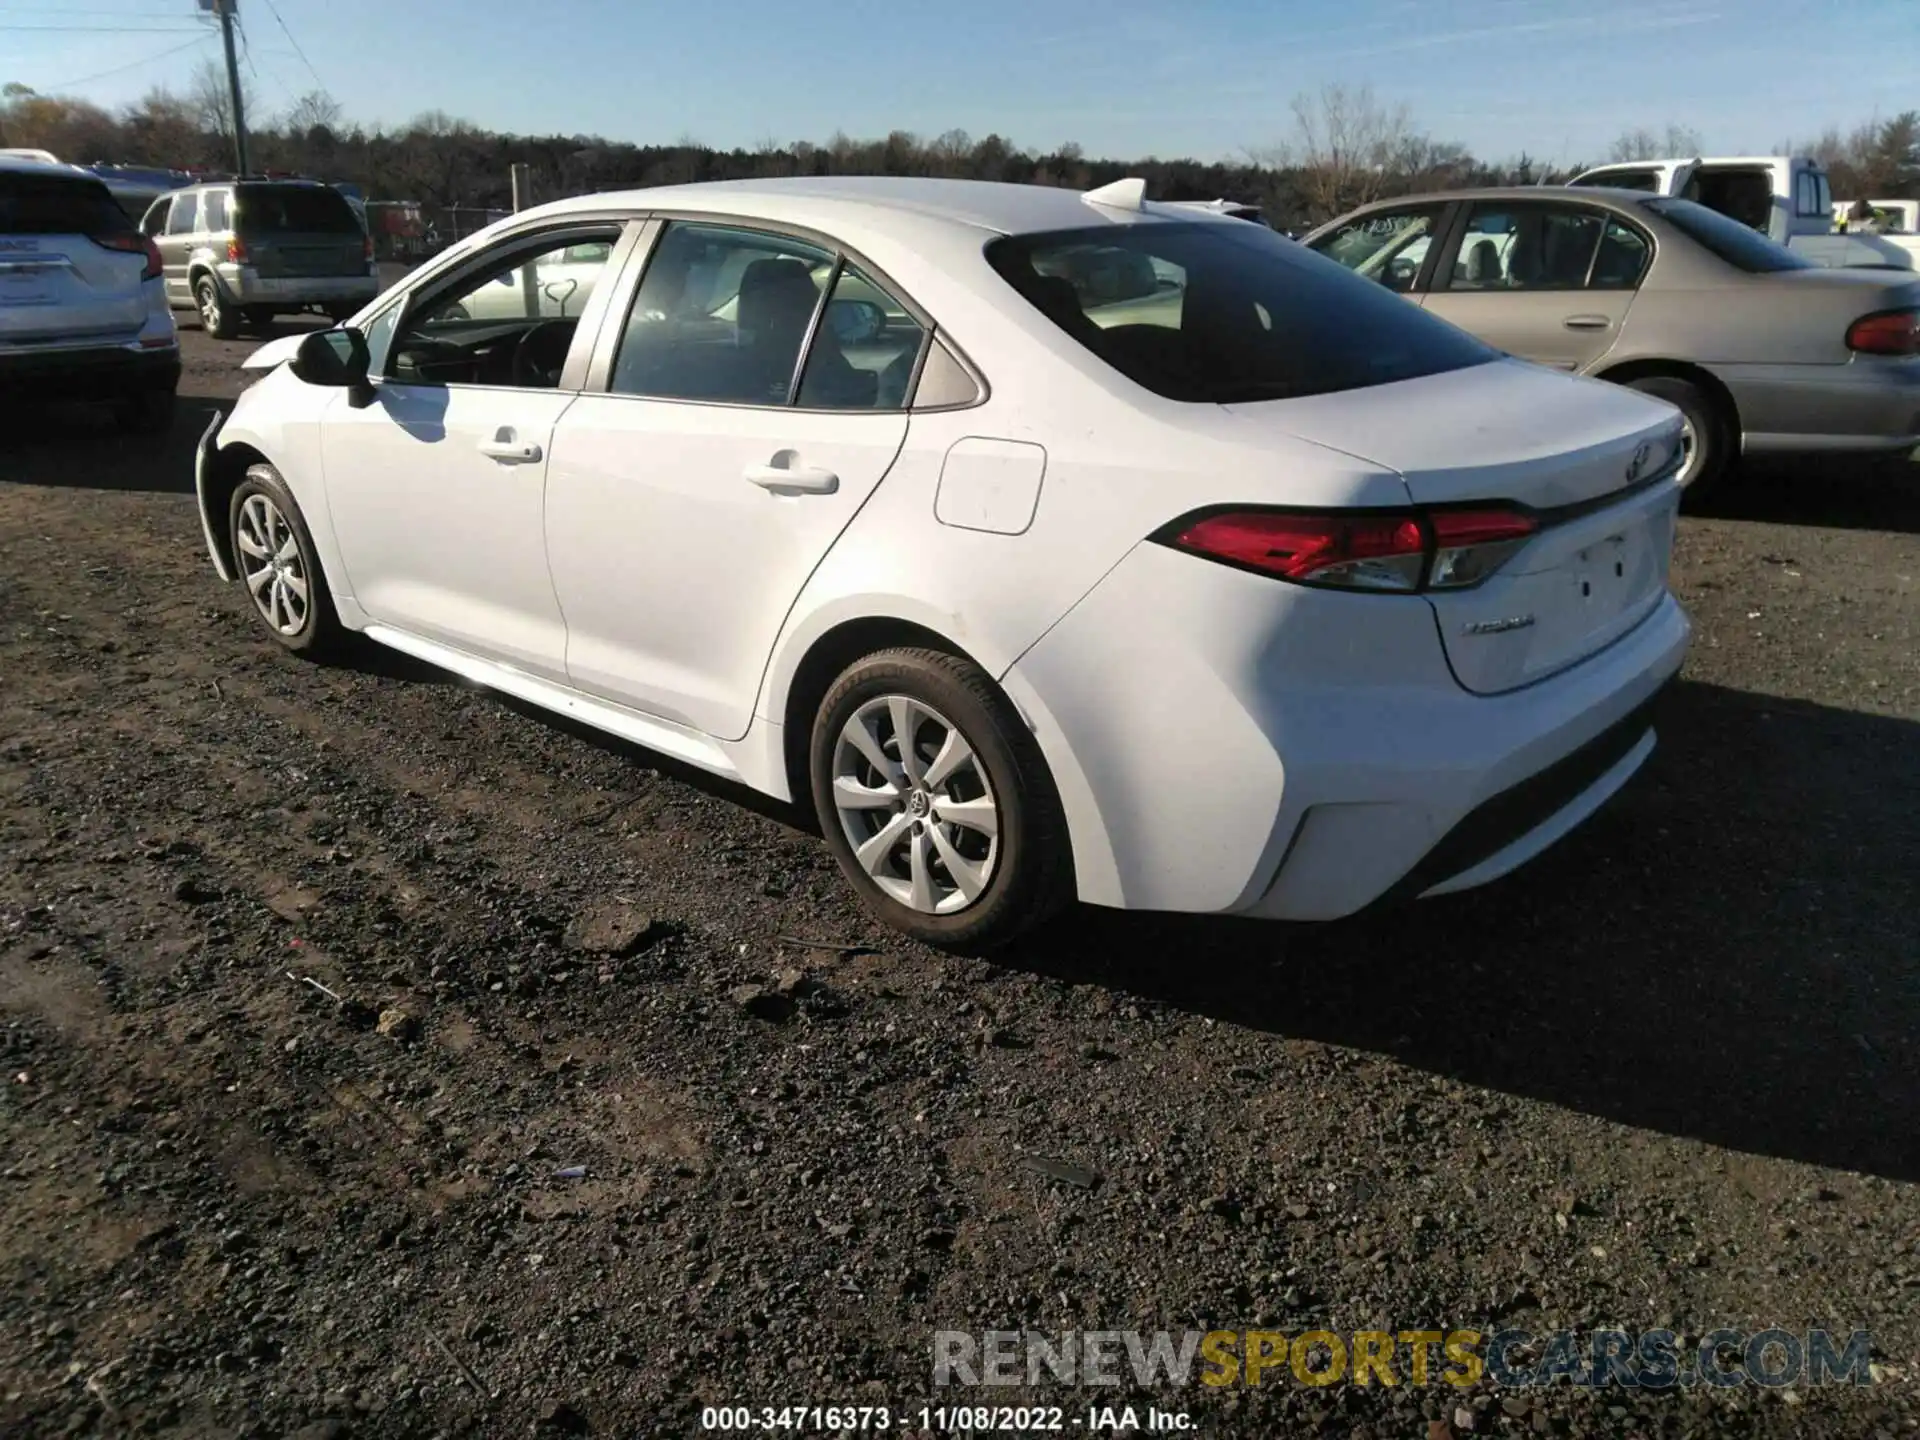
1637,466
1497,627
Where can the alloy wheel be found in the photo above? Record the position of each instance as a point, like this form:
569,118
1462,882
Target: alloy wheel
915,803
209,309
270,561
1689,450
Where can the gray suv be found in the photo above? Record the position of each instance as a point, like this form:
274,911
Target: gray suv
247,250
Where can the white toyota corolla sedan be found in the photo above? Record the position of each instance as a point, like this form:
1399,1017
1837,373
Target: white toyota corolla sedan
1053,544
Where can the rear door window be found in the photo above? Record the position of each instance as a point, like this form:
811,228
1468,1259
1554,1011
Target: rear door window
1237,313
55,205
294,209
215,208
1526,246
185,219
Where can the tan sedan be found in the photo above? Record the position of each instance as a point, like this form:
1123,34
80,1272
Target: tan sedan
1760,350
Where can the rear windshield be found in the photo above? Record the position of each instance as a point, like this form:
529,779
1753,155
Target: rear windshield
1212,313
55,205
1739,245
265,209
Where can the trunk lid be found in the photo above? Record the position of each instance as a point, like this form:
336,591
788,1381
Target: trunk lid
1578,453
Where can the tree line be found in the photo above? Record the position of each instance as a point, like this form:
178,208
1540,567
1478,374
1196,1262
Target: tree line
1346,148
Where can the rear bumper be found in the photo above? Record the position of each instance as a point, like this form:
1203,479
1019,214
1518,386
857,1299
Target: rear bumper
248,288
1867,405
1225,743
88,372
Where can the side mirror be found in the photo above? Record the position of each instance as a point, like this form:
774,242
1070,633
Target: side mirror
335,358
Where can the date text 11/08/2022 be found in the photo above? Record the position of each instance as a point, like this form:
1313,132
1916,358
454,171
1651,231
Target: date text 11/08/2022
946,1419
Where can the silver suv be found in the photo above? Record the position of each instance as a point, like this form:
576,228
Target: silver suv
247,250
82,312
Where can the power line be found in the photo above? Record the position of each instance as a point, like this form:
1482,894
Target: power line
132,65
109,29
275,9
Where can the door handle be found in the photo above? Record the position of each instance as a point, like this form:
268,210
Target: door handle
508,451
1587,322
792,479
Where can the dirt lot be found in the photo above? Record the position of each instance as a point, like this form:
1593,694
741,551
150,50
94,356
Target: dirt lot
1666,1077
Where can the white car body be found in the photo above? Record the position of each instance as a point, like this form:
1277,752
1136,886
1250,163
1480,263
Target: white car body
1221,741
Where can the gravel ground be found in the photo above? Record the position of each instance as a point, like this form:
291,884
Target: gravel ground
1665,1077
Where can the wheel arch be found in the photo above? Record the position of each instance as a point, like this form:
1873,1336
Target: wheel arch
823,660
226,468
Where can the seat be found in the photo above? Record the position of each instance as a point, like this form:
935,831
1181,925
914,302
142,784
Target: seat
777,301
1483,265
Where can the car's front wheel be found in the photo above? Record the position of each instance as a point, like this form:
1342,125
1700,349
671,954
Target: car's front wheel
936,802
273,552
217,318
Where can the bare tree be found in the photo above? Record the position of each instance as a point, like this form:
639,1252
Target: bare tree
1677,142
1344,147
315,109
212,101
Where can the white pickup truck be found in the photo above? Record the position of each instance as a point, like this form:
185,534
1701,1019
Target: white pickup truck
1784,197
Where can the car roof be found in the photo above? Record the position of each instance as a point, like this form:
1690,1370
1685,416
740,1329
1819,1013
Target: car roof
16,165
1003,209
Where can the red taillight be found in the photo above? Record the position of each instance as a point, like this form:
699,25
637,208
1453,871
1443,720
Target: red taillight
367,249
1360,549
1890,332
236,250
134,243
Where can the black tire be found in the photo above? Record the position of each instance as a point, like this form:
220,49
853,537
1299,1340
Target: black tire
1712,435
319,632
340,314
1032,874
259,319
150,413
217,318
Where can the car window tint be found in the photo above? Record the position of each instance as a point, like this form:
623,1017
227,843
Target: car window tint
1622,259
55,205
1739,245
294,209
510,323
186,214
1525,247
721,315
215,206
864,349
1252,317
1389,248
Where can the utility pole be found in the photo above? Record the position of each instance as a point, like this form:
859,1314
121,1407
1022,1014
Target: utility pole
226,9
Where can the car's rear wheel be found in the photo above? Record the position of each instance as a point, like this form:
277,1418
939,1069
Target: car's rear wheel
150,413
1706,440
273,552
936,802
217,318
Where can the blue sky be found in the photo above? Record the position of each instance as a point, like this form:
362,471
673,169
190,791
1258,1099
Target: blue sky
1208,78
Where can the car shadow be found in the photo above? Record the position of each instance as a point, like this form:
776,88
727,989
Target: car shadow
78,446
1730,952
1833,492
